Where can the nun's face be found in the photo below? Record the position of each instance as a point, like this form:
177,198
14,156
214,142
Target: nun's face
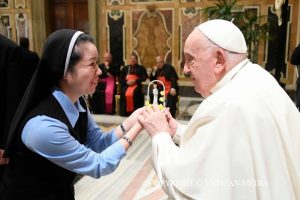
84,78
200,63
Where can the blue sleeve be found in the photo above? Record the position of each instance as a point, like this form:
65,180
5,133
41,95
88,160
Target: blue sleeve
97,140
51,139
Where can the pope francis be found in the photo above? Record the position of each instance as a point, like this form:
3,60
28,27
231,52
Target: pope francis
243,142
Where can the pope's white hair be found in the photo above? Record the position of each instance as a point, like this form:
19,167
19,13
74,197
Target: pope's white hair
231,56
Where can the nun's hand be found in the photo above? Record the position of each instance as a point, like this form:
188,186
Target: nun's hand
132,119
154,121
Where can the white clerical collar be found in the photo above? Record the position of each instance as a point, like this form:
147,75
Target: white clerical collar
229,75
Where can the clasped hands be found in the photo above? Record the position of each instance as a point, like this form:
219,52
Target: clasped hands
153,120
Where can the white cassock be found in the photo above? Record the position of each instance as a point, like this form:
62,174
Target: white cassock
242,143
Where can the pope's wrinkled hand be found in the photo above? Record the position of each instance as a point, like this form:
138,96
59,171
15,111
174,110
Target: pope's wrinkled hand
154,121
173,124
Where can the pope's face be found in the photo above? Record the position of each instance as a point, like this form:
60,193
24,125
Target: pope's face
84,78
200,63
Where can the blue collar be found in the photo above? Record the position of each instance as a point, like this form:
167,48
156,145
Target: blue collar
71,110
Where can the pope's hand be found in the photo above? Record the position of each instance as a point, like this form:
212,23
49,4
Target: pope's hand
173,124
154,121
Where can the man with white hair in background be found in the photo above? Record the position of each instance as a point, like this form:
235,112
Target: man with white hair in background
243,141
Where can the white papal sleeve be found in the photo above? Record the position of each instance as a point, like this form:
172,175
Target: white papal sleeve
162,148
177,138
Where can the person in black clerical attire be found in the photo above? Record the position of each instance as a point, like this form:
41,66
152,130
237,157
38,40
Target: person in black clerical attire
15,75
131,78
167,74
103,100
295,60
30,58
10,55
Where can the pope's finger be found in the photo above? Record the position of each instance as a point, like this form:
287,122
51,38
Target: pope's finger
156,108
141,110
146,115
166,110
148,109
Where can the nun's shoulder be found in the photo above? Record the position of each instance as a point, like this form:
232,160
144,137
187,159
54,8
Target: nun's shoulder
42,129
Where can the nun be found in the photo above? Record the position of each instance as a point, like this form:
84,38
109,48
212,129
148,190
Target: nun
243,141
53,136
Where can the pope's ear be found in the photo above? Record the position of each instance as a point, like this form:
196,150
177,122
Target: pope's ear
220,62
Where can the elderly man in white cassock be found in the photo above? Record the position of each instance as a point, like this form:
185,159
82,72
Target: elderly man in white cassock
243,141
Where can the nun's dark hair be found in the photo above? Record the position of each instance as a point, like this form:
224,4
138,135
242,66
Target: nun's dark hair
76,53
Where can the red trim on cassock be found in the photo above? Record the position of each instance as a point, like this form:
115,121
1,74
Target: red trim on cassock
129,93
166,83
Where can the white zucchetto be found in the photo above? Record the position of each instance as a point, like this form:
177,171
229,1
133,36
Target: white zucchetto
224,34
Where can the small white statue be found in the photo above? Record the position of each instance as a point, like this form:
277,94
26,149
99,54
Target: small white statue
155,94
158,101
